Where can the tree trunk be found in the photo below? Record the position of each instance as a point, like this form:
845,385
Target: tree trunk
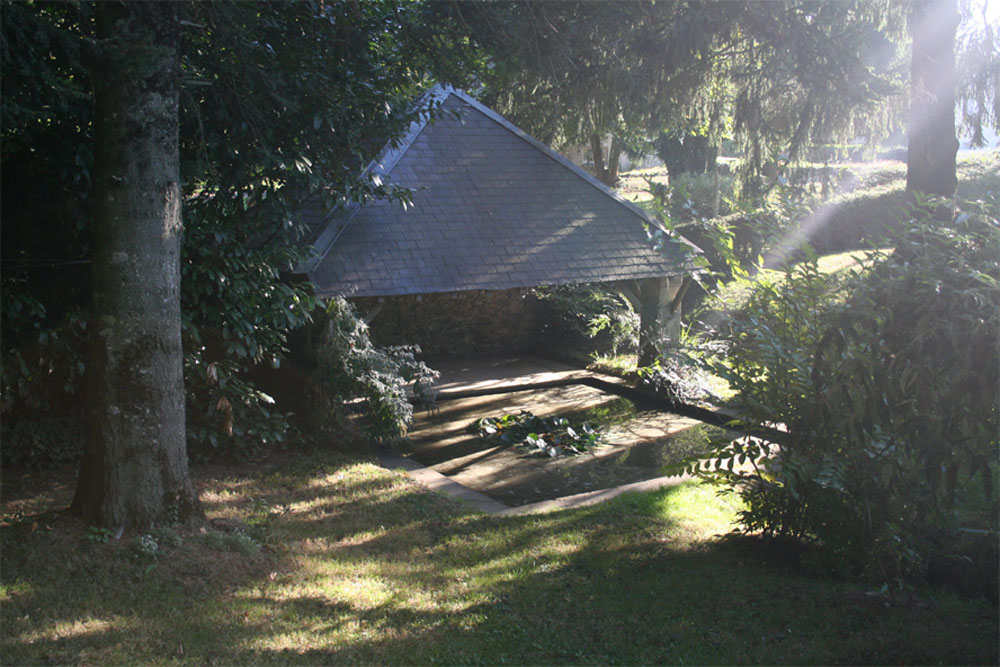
598,155
614,153
606,172
134,470
932,143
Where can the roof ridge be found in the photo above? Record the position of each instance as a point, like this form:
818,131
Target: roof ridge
390,155
381,165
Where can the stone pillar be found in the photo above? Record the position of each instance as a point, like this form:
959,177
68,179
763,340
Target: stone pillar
659,314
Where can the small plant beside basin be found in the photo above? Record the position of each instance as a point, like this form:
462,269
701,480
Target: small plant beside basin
551,436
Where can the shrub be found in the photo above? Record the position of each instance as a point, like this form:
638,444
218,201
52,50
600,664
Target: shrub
42,368
350,367
679,374
871,214
694,196
144,547
888,401
578,322
685,152
858,220
42,443
166,536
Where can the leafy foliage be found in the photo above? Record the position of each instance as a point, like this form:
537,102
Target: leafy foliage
145,547
978,63
699,196
776,75
578,322
686,153
41,372
350,367
305,128
678,373
550,436
886,454
281,104
98,535
236,542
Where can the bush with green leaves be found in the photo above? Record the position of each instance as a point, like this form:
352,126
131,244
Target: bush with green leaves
886,401
698,196
42,366
581,321
678,373
731,244
166,536
237,315
145,547
281,103
350,368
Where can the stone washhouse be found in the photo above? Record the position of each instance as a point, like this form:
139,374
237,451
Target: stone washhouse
494,214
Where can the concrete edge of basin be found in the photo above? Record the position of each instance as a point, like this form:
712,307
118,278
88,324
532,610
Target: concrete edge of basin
435,481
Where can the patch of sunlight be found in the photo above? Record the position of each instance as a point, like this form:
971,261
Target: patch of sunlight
299,642
496,571
640,196
350,473
10,591
76,629
331,479
854,259
314,546
324,634
315,505
363,592
220,497
365,537
358,584
620,365
699,510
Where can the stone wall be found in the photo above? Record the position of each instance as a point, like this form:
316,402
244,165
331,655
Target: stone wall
454,325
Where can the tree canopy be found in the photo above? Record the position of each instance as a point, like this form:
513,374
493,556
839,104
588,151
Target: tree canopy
278,101
777,75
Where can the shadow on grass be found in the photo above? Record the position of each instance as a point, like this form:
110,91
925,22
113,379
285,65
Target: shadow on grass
367,567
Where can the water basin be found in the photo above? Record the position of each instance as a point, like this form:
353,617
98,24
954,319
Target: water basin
638,443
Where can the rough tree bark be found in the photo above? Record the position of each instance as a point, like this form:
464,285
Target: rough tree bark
614,154
597,153
932,142
134,470
606,171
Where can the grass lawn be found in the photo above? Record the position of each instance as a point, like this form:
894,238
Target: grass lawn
360,565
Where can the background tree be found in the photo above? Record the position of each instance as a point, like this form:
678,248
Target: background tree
783,73
930,163
978,69
578,72
135,467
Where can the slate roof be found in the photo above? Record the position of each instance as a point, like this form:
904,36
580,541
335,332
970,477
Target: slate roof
492,209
